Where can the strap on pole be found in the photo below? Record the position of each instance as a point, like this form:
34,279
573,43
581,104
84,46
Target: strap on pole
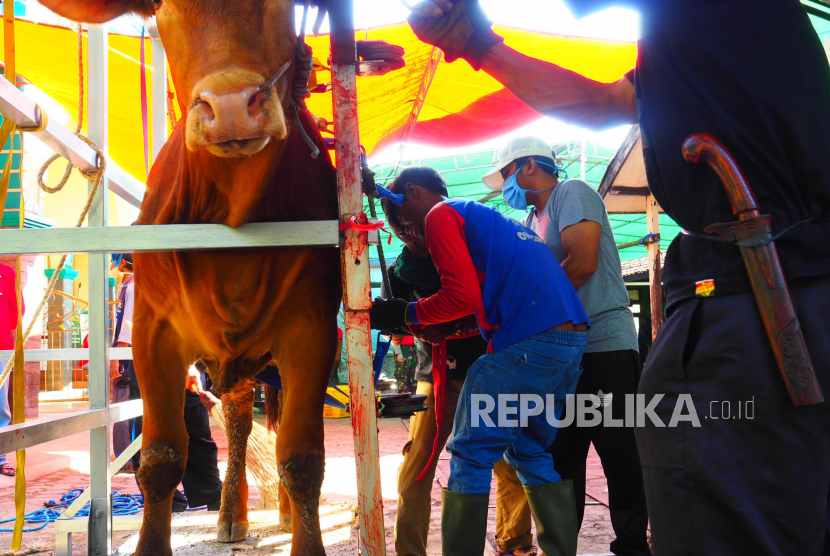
7,133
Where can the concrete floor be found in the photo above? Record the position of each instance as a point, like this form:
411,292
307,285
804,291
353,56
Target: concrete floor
53,468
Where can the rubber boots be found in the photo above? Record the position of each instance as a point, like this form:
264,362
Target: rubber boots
463,523
554,508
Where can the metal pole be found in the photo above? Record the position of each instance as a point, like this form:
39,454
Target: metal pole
100,516
655,270
159,91
381,257
356,281
583,158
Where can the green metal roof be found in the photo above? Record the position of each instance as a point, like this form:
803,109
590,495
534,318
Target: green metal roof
463,175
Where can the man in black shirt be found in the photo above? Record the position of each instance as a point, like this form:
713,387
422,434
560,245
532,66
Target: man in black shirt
753,74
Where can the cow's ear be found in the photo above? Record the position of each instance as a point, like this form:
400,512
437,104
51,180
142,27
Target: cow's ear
99,11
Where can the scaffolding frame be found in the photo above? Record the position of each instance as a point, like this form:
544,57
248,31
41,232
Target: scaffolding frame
101,415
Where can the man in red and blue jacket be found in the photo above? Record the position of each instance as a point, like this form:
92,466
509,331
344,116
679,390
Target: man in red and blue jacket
535,325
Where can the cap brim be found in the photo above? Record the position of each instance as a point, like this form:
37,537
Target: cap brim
493,179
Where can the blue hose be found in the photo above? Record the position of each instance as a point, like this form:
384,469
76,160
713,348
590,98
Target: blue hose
44,517
122,504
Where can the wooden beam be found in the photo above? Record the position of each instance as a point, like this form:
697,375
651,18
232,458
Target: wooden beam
619,160
174,237
634,191
655,270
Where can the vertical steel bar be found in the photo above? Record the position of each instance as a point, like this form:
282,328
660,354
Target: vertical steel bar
159,93
100,530
63,544
387,286
655,269
583,158
356,282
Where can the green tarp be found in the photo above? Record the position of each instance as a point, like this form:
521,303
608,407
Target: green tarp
463,175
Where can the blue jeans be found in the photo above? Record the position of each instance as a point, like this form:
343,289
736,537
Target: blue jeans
5,414
547,363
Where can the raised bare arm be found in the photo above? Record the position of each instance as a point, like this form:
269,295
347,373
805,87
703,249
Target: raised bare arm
560,93
462,30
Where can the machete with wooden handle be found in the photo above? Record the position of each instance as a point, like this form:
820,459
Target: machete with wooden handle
753,235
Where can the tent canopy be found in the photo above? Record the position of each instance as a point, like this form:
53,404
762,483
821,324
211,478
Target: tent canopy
459,100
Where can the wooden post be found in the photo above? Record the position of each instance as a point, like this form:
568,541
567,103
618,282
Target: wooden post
655,270
354,255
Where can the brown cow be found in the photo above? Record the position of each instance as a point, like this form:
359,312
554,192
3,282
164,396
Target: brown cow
236,158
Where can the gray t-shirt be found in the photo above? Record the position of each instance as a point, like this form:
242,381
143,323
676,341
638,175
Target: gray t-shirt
603,294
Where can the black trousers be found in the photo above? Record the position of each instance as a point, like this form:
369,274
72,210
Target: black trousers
753,477
201,482
616,373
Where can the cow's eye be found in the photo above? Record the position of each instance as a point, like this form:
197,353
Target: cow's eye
157,2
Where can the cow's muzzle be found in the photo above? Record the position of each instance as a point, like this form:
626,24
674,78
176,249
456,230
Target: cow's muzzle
232,114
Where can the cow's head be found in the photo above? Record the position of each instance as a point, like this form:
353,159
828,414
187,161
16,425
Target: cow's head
223,56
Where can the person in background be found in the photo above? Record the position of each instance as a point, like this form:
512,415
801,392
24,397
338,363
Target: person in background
8,326
201,482
571,217
122,374
529,313
338,354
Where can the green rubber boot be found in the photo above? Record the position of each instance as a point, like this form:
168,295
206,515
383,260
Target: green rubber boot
463,523
554,508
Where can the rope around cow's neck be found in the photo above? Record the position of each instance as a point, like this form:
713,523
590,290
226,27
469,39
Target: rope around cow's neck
300,92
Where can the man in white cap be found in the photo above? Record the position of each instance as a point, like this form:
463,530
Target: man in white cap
571,217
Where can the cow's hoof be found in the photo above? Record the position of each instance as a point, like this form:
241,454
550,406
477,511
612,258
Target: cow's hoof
231,532
285,522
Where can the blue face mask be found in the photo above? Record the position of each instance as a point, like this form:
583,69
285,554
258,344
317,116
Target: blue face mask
514,195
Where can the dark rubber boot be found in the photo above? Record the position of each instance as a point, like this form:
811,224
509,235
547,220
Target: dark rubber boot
554,508
463,523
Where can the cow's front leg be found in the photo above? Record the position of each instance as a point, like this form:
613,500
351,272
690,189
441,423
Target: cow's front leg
284,500
300,451
285,508
161,373
238,406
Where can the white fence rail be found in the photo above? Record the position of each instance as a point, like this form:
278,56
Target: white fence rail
67,354
175,237
32,433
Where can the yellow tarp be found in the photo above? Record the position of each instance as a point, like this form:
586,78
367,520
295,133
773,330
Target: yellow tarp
47,57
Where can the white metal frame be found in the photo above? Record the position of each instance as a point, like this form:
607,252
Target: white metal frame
98,240
23,111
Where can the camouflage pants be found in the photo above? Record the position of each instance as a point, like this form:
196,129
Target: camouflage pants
406,363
